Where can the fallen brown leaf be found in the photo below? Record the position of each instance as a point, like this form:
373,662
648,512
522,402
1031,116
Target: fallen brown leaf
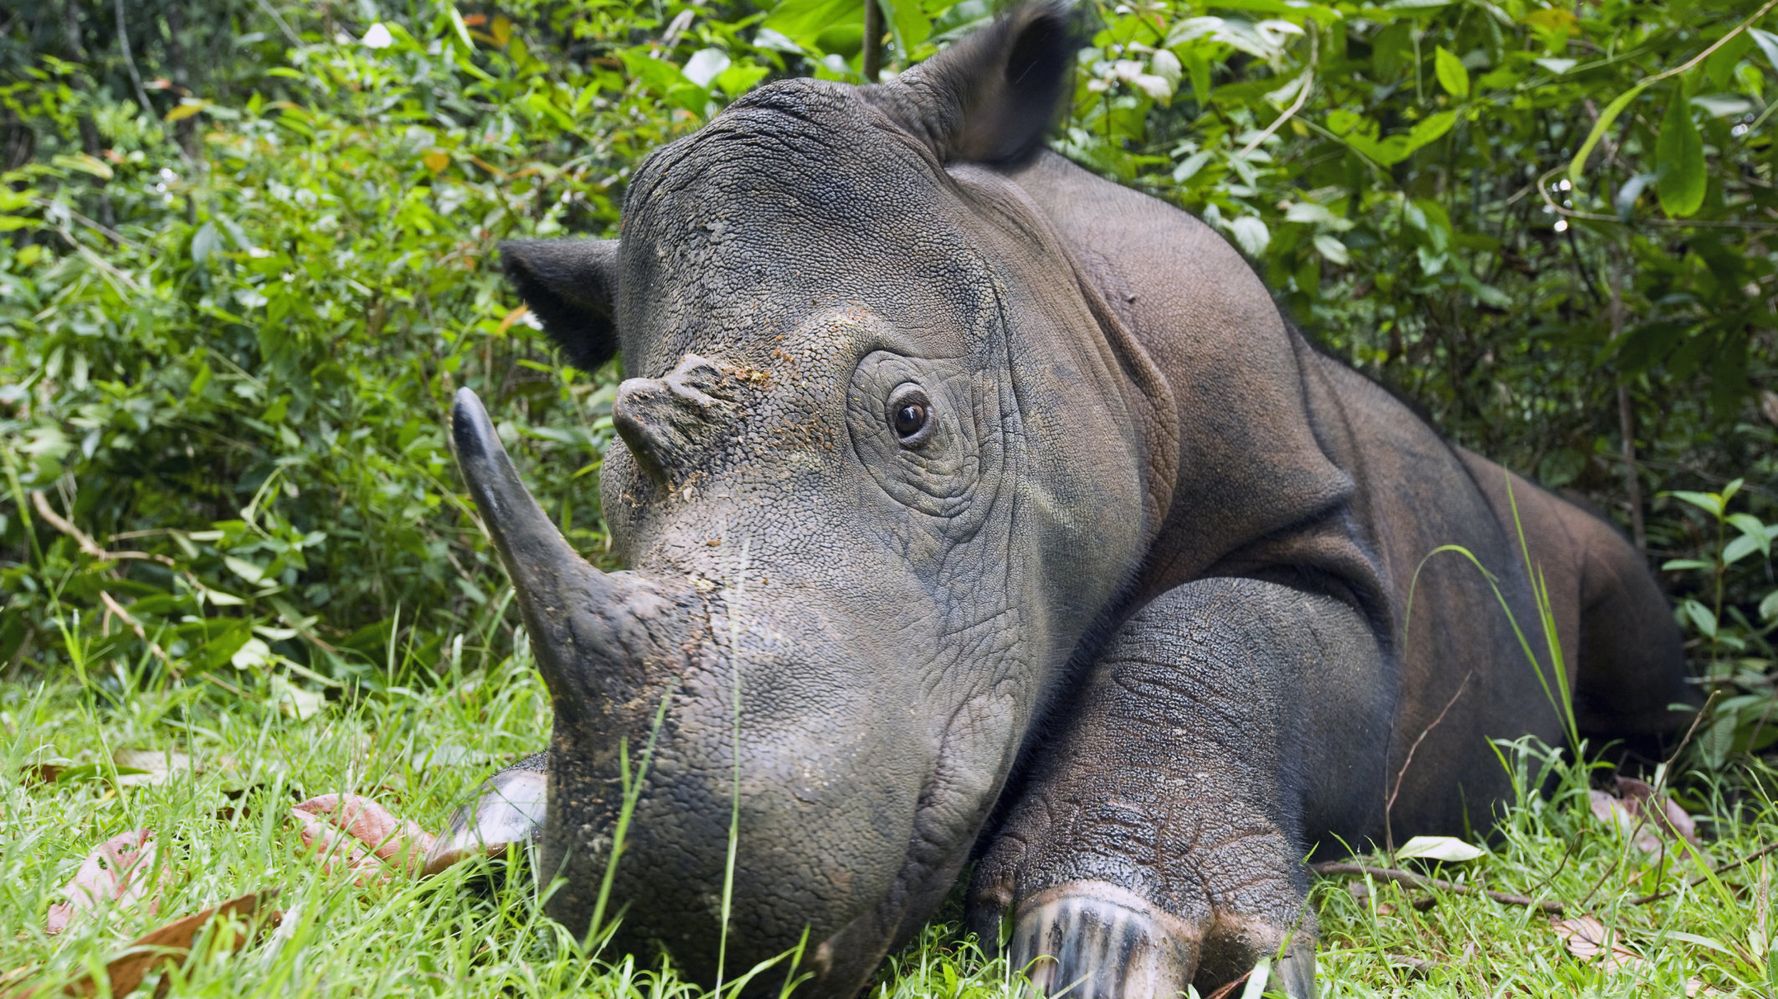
1615,812
1587,938
1662,811
1647,818
137,767
44,772
356,833
167,945
116,870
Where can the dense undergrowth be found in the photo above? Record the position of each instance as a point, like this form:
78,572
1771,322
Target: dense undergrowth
246,253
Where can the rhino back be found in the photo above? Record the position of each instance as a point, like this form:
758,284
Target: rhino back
1293,467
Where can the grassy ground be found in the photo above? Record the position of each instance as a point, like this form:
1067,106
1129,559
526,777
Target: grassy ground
223,829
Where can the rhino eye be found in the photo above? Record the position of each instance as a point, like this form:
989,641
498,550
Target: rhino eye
910,415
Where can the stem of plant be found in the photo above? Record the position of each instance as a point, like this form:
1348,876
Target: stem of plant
873,41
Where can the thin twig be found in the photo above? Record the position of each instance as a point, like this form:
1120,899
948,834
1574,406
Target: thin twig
1543,191
89,547
1229,989
101,228
873,41
1719,43
1421,881
1400,775
1568,846
1302,98
136,626
283,25
129,60
1693,882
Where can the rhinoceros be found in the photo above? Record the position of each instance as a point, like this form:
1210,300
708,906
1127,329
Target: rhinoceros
980,510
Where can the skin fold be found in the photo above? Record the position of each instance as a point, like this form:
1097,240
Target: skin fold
979,509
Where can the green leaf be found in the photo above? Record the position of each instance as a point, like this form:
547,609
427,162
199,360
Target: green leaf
1331,248
1709,502
1489,295
1679,160
802,21
1768,608
1431,129
1198,68
1251,235
1256,980
204,242
185,109
1452,75
1625,200
1724,105
1685,565
1741,547
86,164
460,29
1701,617
1768,43
738,79
907,24
538,103
248,571
1317,215
1606,117
705,65
1718,741
1752,526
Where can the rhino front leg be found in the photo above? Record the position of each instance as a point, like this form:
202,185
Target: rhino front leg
1158,839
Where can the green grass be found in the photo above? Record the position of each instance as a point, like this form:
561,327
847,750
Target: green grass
477,930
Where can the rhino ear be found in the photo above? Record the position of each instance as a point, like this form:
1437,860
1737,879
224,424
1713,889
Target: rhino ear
571,285
990,97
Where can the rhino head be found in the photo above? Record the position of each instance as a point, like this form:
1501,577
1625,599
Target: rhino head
881,476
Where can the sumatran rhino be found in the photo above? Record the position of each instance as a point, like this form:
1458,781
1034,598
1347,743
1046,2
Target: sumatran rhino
980,509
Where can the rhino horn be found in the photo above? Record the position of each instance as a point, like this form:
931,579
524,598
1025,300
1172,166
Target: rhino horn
991,97
589,629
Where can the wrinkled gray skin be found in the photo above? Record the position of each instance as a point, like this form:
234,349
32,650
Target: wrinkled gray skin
1126,621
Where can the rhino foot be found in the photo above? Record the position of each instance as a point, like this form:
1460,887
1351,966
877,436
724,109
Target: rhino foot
1096,940
1092,940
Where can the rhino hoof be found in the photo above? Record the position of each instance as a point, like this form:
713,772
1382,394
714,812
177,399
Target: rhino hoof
1094,940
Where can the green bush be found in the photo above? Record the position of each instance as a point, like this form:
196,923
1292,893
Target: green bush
246,252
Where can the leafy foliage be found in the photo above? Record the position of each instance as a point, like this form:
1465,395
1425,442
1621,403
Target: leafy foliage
245,255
